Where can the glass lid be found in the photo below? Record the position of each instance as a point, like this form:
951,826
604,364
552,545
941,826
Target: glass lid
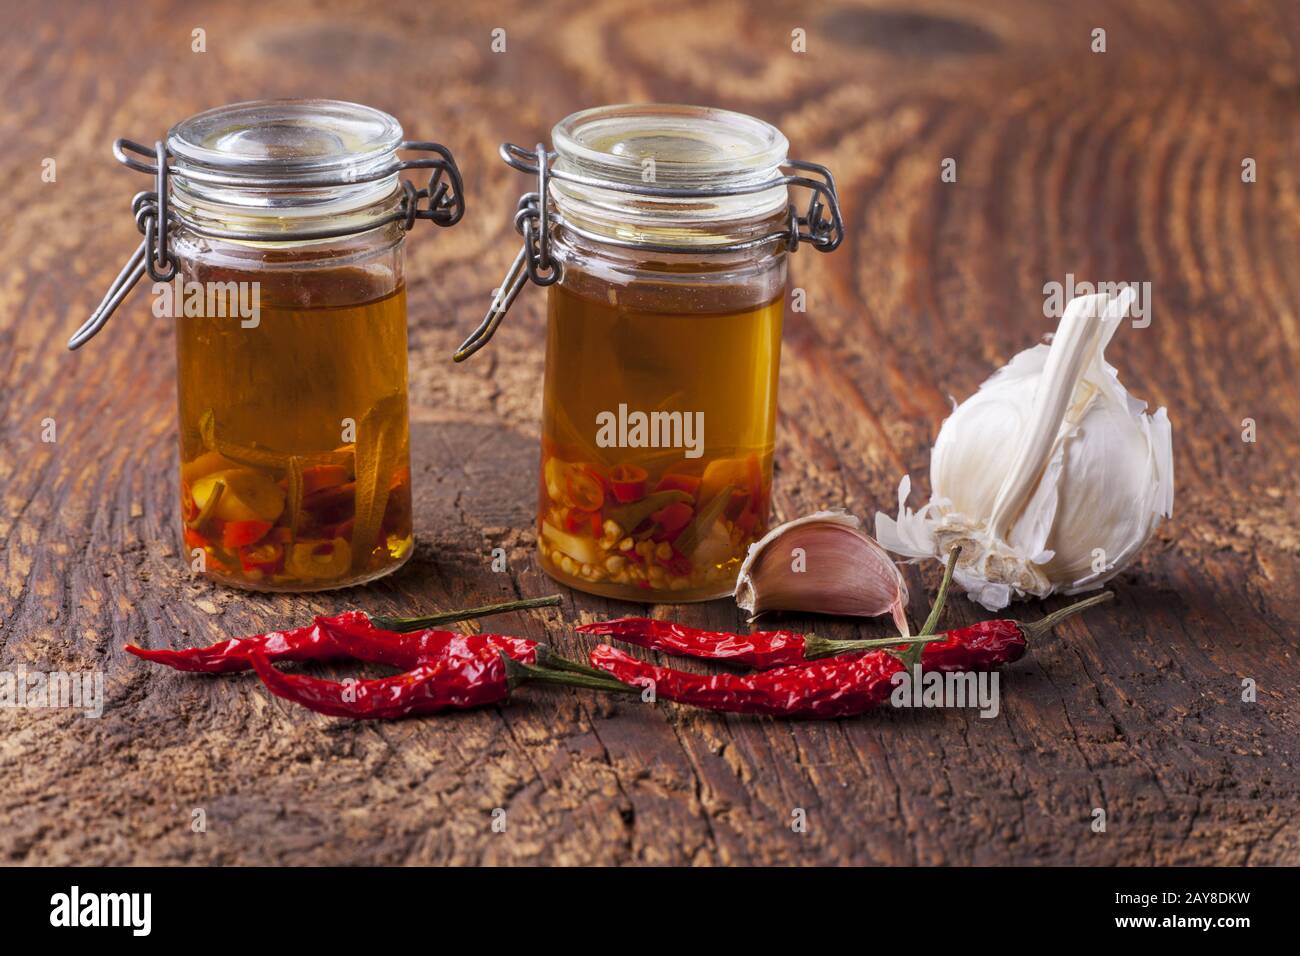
284,142
669,175
686,144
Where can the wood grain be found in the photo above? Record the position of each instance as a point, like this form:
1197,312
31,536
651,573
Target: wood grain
1122,165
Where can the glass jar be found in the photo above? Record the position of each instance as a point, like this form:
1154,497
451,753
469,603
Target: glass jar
663,237
281,262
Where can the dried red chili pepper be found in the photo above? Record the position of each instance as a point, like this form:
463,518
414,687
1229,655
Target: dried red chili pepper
318,640
364,642
472,676
310,643
837,686
834,687
761,649
332,638
969,648
457,683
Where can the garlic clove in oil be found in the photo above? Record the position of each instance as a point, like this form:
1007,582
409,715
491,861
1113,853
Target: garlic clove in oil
1051,476
822,563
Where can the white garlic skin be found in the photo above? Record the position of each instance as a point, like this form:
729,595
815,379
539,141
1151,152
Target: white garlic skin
968,474
1104,515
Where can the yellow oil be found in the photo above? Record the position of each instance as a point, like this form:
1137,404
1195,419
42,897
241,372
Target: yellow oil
721,365
302,419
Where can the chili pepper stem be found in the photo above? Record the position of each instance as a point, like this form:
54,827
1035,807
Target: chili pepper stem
403,625
547,658
912,656
932,621
518,673
1036,629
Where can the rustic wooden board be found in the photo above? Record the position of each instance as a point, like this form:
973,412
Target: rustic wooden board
1122,165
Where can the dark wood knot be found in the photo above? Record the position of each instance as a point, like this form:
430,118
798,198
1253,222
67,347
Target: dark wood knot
909,34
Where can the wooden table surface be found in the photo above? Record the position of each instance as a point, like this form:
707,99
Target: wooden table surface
1123,165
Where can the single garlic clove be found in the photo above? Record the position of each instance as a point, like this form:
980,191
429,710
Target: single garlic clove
822,563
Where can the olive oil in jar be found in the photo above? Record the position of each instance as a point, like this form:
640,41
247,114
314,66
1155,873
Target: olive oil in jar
275,238
295,464
661,233
657,437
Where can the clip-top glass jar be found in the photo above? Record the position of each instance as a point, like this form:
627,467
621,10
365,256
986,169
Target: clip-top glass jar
662,232
274,237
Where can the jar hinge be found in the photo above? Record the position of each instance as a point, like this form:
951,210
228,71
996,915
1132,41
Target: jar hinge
446,200
152,255
821,225
442,197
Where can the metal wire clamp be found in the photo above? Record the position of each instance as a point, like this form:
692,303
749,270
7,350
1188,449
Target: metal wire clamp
441,201
821,225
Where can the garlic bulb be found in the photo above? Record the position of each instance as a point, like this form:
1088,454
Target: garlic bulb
1051,477
823,563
